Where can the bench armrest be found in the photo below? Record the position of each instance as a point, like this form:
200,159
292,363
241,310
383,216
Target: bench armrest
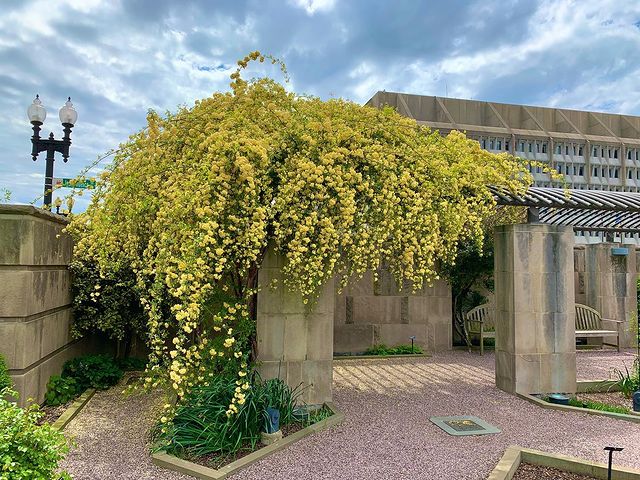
612,320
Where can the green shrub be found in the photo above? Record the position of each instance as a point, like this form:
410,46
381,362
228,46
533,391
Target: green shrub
5,379
201,426
60,390
131,364
629,382
381,349
603,407
96,371
28,451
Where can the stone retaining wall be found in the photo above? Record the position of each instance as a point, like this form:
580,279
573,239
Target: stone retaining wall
35,298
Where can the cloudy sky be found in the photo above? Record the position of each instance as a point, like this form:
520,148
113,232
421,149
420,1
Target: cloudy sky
119,58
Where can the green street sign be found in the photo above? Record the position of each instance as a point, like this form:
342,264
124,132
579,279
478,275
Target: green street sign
74,183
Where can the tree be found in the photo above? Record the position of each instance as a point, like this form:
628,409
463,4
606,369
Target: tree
192,203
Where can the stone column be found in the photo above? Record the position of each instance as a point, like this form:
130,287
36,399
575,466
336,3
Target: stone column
295,341
35,298
610,286
535,314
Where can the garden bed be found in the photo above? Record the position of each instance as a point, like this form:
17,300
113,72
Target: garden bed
220,467
519,463
529,471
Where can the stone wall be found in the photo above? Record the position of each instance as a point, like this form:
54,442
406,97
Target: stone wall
607,283
295,341
35,298
369,312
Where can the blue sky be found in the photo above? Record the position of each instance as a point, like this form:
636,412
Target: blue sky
119,58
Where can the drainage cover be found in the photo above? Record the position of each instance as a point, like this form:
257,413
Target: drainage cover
464,425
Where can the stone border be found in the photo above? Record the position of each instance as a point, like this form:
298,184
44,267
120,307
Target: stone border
514,455
598,386
70,413
176,464
373,357
630,417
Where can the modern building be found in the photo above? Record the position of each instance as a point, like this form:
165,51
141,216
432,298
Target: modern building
592,150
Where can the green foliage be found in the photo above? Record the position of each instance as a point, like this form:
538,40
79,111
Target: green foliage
603,407
277,394
201,425
28,451
60,390
5,379
106,302
130,364
381,349
192,203
96,371
629,382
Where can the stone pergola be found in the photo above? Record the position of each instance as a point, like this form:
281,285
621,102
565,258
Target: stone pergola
534,281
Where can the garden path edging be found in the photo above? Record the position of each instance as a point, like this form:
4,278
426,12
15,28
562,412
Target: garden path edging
374,357
515,455
75,408
171,462
628,417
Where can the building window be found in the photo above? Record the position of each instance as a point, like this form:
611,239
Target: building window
530,147
558,149
581,171
595,172
499,145
544,147
506,145
615,153
566,150
580,151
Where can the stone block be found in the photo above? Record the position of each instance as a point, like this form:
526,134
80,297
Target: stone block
318,376
295,338
419,310
30,236
319,337
30,292
270,335
352,338
398,334
376,309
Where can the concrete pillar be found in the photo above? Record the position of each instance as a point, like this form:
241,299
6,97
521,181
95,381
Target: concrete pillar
35,298
295,341
535,315
610,286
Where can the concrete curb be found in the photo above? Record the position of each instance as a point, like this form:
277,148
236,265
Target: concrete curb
374,357
75,408
631,417
514,455
170,462
598,386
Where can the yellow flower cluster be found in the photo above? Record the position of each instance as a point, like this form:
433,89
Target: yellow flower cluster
192,203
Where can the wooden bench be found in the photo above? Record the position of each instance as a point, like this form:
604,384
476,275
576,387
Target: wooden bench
589,325
480,321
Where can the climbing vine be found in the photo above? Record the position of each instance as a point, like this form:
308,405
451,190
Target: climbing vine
192,203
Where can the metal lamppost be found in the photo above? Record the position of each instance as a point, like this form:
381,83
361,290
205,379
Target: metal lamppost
68,117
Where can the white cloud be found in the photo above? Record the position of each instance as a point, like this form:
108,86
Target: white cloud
313,6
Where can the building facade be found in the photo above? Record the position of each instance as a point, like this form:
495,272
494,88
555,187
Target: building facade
592,150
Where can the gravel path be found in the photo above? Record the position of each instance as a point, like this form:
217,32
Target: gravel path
111,433
387,433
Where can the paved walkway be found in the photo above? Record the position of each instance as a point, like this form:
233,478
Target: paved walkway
387,433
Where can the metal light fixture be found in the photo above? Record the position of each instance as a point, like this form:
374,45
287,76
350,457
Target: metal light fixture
68,117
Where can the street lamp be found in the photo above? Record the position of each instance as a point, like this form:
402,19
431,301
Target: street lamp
68,116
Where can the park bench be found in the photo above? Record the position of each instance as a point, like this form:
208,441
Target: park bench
480,321
589,324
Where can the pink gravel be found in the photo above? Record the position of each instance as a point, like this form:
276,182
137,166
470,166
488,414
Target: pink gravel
387,433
